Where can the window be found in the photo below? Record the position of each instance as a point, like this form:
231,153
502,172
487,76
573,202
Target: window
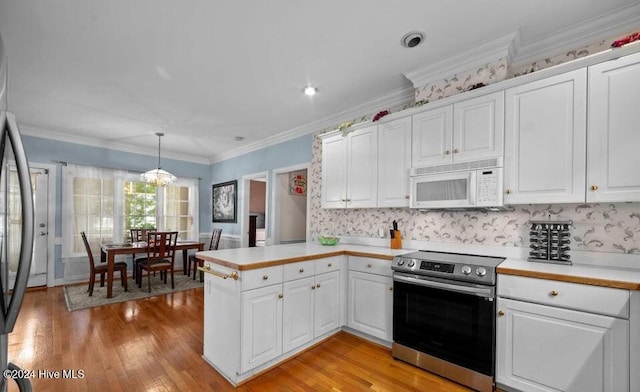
106,203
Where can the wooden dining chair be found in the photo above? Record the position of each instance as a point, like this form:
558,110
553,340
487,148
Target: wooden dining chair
161,250
138,235
102,268
213,245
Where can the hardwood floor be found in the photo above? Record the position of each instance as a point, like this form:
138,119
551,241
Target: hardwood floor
155,344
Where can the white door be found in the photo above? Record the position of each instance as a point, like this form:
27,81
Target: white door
362,168
39,261
478,128
370,304
432,137
297,313
327,302
543,348
261,326
394,162
545,140
334,173
614,137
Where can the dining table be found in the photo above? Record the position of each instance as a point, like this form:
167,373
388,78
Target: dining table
109,251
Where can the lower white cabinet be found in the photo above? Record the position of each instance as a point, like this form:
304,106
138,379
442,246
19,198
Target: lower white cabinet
543,347
311,308
261,326
371,304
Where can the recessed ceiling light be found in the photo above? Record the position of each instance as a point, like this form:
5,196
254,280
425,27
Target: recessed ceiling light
412,39
310,91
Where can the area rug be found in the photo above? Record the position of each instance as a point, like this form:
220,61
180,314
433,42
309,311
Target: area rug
77,296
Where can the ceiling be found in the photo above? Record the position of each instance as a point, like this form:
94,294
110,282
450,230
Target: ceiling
112,73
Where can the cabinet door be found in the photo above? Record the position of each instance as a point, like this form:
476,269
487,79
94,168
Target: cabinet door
545,140
297,313
370,304
478,128
334,173
362,168
394,162
543,348
261,326
431,137
327,302
614,134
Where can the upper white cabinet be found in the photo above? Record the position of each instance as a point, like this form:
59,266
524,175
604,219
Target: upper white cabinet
614,130
349,169
545,140
394,162
465,131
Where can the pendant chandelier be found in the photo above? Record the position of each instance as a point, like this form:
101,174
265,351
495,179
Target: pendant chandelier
158,177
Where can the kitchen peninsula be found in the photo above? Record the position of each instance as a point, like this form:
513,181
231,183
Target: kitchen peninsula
266,304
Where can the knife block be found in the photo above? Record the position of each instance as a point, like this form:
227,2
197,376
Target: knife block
396,241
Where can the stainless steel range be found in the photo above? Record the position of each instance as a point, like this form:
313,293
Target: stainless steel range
444,315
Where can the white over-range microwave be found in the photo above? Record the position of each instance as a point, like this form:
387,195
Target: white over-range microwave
477,184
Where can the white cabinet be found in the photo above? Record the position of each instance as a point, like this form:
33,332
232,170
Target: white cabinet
311,308
327,303
545,140
543,348
614,133
469,130
394,162
261,326
371,297
349,169
297,313
545,344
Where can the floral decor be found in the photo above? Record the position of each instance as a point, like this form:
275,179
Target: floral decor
298,184
379,115
623,41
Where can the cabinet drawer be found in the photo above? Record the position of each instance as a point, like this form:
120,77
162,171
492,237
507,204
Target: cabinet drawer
594,299
302,269
329,264
261,277
369,265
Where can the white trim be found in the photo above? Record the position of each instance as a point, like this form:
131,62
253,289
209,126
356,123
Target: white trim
274,233
467,59
244,199
395,98
88,141
609,25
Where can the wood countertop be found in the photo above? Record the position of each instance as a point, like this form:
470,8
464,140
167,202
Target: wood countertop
620,278
266,256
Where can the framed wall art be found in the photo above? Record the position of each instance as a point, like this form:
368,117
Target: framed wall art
225,200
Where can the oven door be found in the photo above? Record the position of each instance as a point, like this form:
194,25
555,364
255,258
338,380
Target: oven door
451,321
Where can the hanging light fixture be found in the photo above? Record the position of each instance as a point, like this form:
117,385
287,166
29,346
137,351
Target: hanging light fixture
158,177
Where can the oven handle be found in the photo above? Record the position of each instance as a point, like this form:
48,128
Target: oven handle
479,291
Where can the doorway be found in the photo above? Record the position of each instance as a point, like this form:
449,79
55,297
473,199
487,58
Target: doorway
290,205
254,217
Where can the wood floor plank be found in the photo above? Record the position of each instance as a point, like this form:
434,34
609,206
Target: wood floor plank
155,344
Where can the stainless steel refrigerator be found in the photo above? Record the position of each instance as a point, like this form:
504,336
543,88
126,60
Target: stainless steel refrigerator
14,264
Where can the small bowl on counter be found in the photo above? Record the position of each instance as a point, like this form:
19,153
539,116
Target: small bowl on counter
327,240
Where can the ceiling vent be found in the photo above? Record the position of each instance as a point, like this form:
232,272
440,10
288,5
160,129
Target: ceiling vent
412,39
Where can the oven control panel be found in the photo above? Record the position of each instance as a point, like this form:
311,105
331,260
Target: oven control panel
438,267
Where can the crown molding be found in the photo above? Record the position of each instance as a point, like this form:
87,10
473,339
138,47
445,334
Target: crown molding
470,58
605,26
86,141
395,98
